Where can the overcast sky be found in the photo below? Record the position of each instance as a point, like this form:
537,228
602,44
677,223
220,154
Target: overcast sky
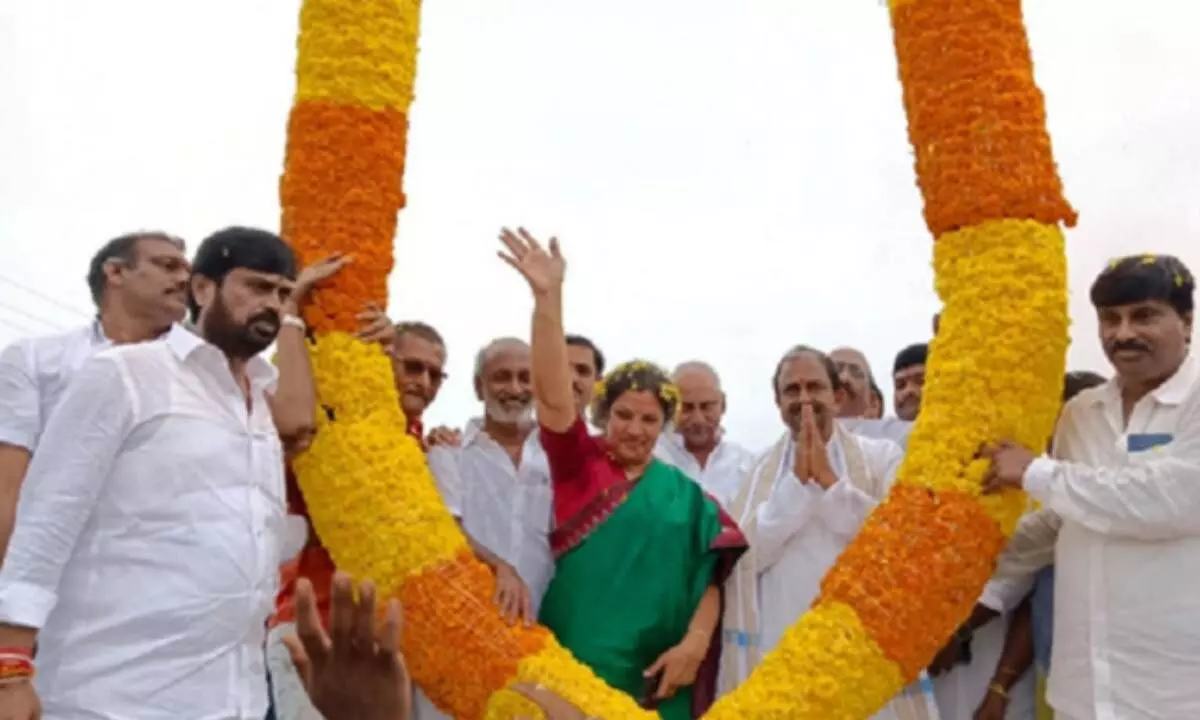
727,179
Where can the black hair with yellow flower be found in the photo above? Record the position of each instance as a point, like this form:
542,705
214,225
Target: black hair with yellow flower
1140,278
634,376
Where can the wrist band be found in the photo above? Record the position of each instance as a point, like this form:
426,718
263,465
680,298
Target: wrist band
998,689
16,665
295,321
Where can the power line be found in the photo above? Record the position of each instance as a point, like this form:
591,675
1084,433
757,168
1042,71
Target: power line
43,296
18,327
30,316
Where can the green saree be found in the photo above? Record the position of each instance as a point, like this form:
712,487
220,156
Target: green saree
633,562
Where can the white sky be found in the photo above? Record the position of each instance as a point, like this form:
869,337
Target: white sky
727,179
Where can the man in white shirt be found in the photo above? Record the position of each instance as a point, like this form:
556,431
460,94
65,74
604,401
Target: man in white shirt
139,284
1121,510
150,531
497,483
802,503
696,442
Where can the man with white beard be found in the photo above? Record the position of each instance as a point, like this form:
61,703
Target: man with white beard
497,483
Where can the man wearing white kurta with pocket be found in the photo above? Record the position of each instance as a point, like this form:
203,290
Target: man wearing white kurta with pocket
1121,511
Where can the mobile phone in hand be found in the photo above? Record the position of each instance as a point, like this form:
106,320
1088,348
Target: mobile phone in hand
649,701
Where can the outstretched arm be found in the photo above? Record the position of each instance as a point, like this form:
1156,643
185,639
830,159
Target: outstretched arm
543,269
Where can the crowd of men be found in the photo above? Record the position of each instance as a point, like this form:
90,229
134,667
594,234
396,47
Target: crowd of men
157,562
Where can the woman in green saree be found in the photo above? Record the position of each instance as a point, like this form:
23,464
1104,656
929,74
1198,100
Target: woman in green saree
640,551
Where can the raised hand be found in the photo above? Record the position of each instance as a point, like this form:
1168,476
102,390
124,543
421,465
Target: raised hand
317,273
543,269
374,326
350,673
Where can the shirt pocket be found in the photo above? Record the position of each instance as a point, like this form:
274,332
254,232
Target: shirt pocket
538,510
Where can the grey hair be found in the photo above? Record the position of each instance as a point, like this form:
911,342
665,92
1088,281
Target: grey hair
486,351
699,365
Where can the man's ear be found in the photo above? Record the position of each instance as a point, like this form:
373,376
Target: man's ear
114,272
478,388
203,290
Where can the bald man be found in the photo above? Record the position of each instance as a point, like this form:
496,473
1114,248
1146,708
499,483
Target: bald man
854,372
696,443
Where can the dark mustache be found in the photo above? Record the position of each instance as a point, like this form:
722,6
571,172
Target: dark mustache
1129,345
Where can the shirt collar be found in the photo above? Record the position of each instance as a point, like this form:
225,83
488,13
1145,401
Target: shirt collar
473,431
1177,387
676,438
1171,392
98,336
184,342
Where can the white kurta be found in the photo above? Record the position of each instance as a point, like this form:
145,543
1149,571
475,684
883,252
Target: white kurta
720,476
1124,505
504,507
802,529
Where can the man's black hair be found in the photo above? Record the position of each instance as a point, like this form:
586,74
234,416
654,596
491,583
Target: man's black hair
121,249
597,356
835,380
241,247
911,356
1142,278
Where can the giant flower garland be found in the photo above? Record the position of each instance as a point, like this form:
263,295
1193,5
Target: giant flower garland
993,200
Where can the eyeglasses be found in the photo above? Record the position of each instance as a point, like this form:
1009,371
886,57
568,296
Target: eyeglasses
413,366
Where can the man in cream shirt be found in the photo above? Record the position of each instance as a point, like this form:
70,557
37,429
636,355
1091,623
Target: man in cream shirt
1121,510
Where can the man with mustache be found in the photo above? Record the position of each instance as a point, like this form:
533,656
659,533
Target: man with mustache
1121,509
696,444
854,375
418,364
496,483
800,505
146,553
138,283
